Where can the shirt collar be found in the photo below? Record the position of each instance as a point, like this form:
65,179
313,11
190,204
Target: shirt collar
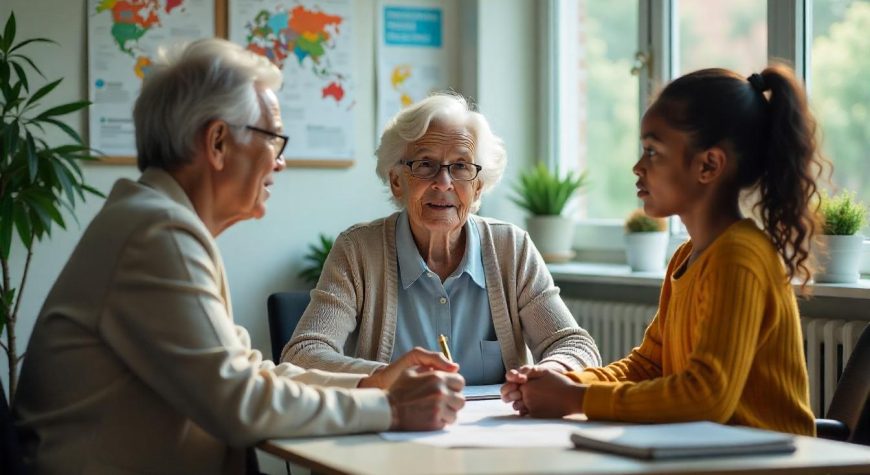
412,265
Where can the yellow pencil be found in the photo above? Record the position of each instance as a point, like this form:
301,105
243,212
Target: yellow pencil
442,342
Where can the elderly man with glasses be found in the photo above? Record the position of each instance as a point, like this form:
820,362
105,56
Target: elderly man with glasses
135,365
390,288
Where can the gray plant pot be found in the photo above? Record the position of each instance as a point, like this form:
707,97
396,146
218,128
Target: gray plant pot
838,258
552,236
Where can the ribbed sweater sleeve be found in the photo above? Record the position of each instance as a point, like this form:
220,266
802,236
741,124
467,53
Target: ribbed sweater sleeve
710,386
644,362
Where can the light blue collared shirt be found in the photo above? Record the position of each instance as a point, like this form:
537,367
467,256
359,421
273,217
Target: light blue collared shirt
458,308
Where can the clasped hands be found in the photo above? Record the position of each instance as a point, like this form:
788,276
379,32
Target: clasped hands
542,391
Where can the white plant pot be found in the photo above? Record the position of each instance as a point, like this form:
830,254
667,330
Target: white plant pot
838,259
552,236
645,252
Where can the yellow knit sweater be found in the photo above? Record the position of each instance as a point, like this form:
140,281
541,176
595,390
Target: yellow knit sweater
724,346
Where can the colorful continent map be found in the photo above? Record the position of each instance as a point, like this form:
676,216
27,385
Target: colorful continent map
300,33
131,20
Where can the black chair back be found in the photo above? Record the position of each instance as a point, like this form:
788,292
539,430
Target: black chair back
285,310
850,405
10,452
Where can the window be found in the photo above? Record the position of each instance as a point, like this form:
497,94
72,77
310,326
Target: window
729,34
839,79
596,70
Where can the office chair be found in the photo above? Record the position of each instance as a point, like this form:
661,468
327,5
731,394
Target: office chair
10,453
285,310
848,417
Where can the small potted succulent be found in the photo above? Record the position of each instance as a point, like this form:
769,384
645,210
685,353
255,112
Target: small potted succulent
544,194
838,253
646,240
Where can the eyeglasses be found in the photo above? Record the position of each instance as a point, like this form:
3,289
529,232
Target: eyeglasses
427,169
278,141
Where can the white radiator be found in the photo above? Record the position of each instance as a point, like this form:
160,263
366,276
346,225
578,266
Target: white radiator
618,327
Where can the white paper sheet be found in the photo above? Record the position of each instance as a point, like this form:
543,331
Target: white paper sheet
493,423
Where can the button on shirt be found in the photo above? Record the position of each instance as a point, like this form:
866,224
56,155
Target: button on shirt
458,308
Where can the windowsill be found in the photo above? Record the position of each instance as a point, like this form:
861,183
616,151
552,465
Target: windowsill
615,274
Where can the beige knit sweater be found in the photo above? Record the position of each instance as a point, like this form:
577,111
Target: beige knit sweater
350,325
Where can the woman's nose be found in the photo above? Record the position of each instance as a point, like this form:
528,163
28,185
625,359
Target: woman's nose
442,179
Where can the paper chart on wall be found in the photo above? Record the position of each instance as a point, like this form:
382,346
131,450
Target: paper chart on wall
412,53
123,38
311,41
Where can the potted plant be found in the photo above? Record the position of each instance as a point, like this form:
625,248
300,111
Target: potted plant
37,180
838,252
315,259
646,241
544,195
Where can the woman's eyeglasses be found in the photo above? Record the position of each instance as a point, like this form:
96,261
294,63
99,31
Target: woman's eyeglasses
428,169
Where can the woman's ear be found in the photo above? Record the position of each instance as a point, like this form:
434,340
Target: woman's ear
711,164
217,136
396,184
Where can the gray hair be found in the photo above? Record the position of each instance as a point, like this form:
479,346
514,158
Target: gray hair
190,86
444,108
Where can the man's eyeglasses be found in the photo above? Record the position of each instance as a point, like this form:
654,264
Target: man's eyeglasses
428,169
279,141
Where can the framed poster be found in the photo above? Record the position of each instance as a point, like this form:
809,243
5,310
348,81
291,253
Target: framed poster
122,38
311,41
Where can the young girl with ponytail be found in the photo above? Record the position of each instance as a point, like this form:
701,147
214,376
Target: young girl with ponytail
725,344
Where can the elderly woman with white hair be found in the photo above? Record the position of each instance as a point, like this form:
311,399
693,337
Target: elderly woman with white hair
392,286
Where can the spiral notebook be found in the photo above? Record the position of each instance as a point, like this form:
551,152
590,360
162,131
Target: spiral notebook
688,439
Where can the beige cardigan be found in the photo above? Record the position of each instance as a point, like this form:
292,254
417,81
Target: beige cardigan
350,325
135,365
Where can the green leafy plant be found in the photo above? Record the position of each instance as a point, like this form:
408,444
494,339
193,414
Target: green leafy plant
37,181
315,259
543,193
640,222
842,214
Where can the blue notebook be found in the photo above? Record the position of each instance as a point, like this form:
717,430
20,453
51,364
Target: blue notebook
686,439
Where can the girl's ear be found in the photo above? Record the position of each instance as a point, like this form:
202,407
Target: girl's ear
217,134
711,164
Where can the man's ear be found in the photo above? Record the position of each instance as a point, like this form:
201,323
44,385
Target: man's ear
478,189
396,184
711,164
217,136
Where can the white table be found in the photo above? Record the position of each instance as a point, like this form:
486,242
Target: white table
370,454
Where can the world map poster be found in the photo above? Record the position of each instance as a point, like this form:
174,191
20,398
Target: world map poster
311,42
123,37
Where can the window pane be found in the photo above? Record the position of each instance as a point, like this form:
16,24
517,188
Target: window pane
608,116
840,89
729,34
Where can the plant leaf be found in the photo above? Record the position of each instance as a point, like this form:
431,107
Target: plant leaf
63,109
42,92
6,213
8,33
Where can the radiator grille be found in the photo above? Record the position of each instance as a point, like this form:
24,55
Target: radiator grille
618,327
